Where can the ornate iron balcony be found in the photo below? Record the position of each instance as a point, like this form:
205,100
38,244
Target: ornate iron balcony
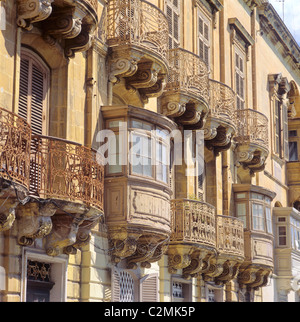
252,139
186,96
221,122
15,137
137,33
64,170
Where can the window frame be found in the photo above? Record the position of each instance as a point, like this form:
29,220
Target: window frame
248,199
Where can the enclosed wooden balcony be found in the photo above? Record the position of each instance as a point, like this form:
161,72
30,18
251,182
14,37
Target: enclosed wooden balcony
137,195
252,140
136,32
186,96
220,125
253,207
15,138
193,239
67,22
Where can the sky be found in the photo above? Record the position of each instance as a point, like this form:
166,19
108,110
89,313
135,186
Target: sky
291,15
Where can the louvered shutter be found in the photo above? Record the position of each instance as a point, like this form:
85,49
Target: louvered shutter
23,96
285,132
204,39
33,92
149,288
172,12
115,285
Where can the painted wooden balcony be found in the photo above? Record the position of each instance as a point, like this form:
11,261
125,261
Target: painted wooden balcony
15,138
70,23
252,140
136,32
220,125
186,96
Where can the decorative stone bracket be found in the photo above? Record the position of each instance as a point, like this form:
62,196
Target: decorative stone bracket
73,24
254,277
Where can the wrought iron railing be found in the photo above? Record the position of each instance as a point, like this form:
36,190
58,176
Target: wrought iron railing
188,74
64,170
252,128
136,23
193,221
222,102
230,236
93,4
15,137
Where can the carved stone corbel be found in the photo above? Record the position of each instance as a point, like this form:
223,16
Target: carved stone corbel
34,221
144,252
63,234
145,77
196,264
31,11
154,91
7,213
64,23
80,43
216,268
230,270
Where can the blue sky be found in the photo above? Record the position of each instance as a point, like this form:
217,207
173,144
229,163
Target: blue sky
291,15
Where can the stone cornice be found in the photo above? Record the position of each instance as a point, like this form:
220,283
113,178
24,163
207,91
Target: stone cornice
277,31
215,5
254,3
236,24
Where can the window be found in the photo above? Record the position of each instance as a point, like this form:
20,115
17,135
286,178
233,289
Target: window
150,151
293,151
254,209
204,38
39,282
214,294
173,15
181,290
282,235
44,279
258,217
34,87
128,287
240,80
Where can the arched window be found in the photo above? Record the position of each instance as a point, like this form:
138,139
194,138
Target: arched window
34,89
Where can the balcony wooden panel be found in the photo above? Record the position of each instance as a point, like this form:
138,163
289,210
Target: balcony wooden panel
220,125
186,96
252,139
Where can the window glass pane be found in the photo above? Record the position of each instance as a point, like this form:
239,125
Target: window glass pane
293,154
282,236
241,213
258,217
257,196
269,220
240,196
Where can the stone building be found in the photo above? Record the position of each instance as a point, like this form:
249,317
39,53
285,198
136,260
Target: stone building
73,228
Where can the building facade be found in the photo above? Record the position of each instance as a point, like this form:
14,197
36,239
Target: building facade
80,77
